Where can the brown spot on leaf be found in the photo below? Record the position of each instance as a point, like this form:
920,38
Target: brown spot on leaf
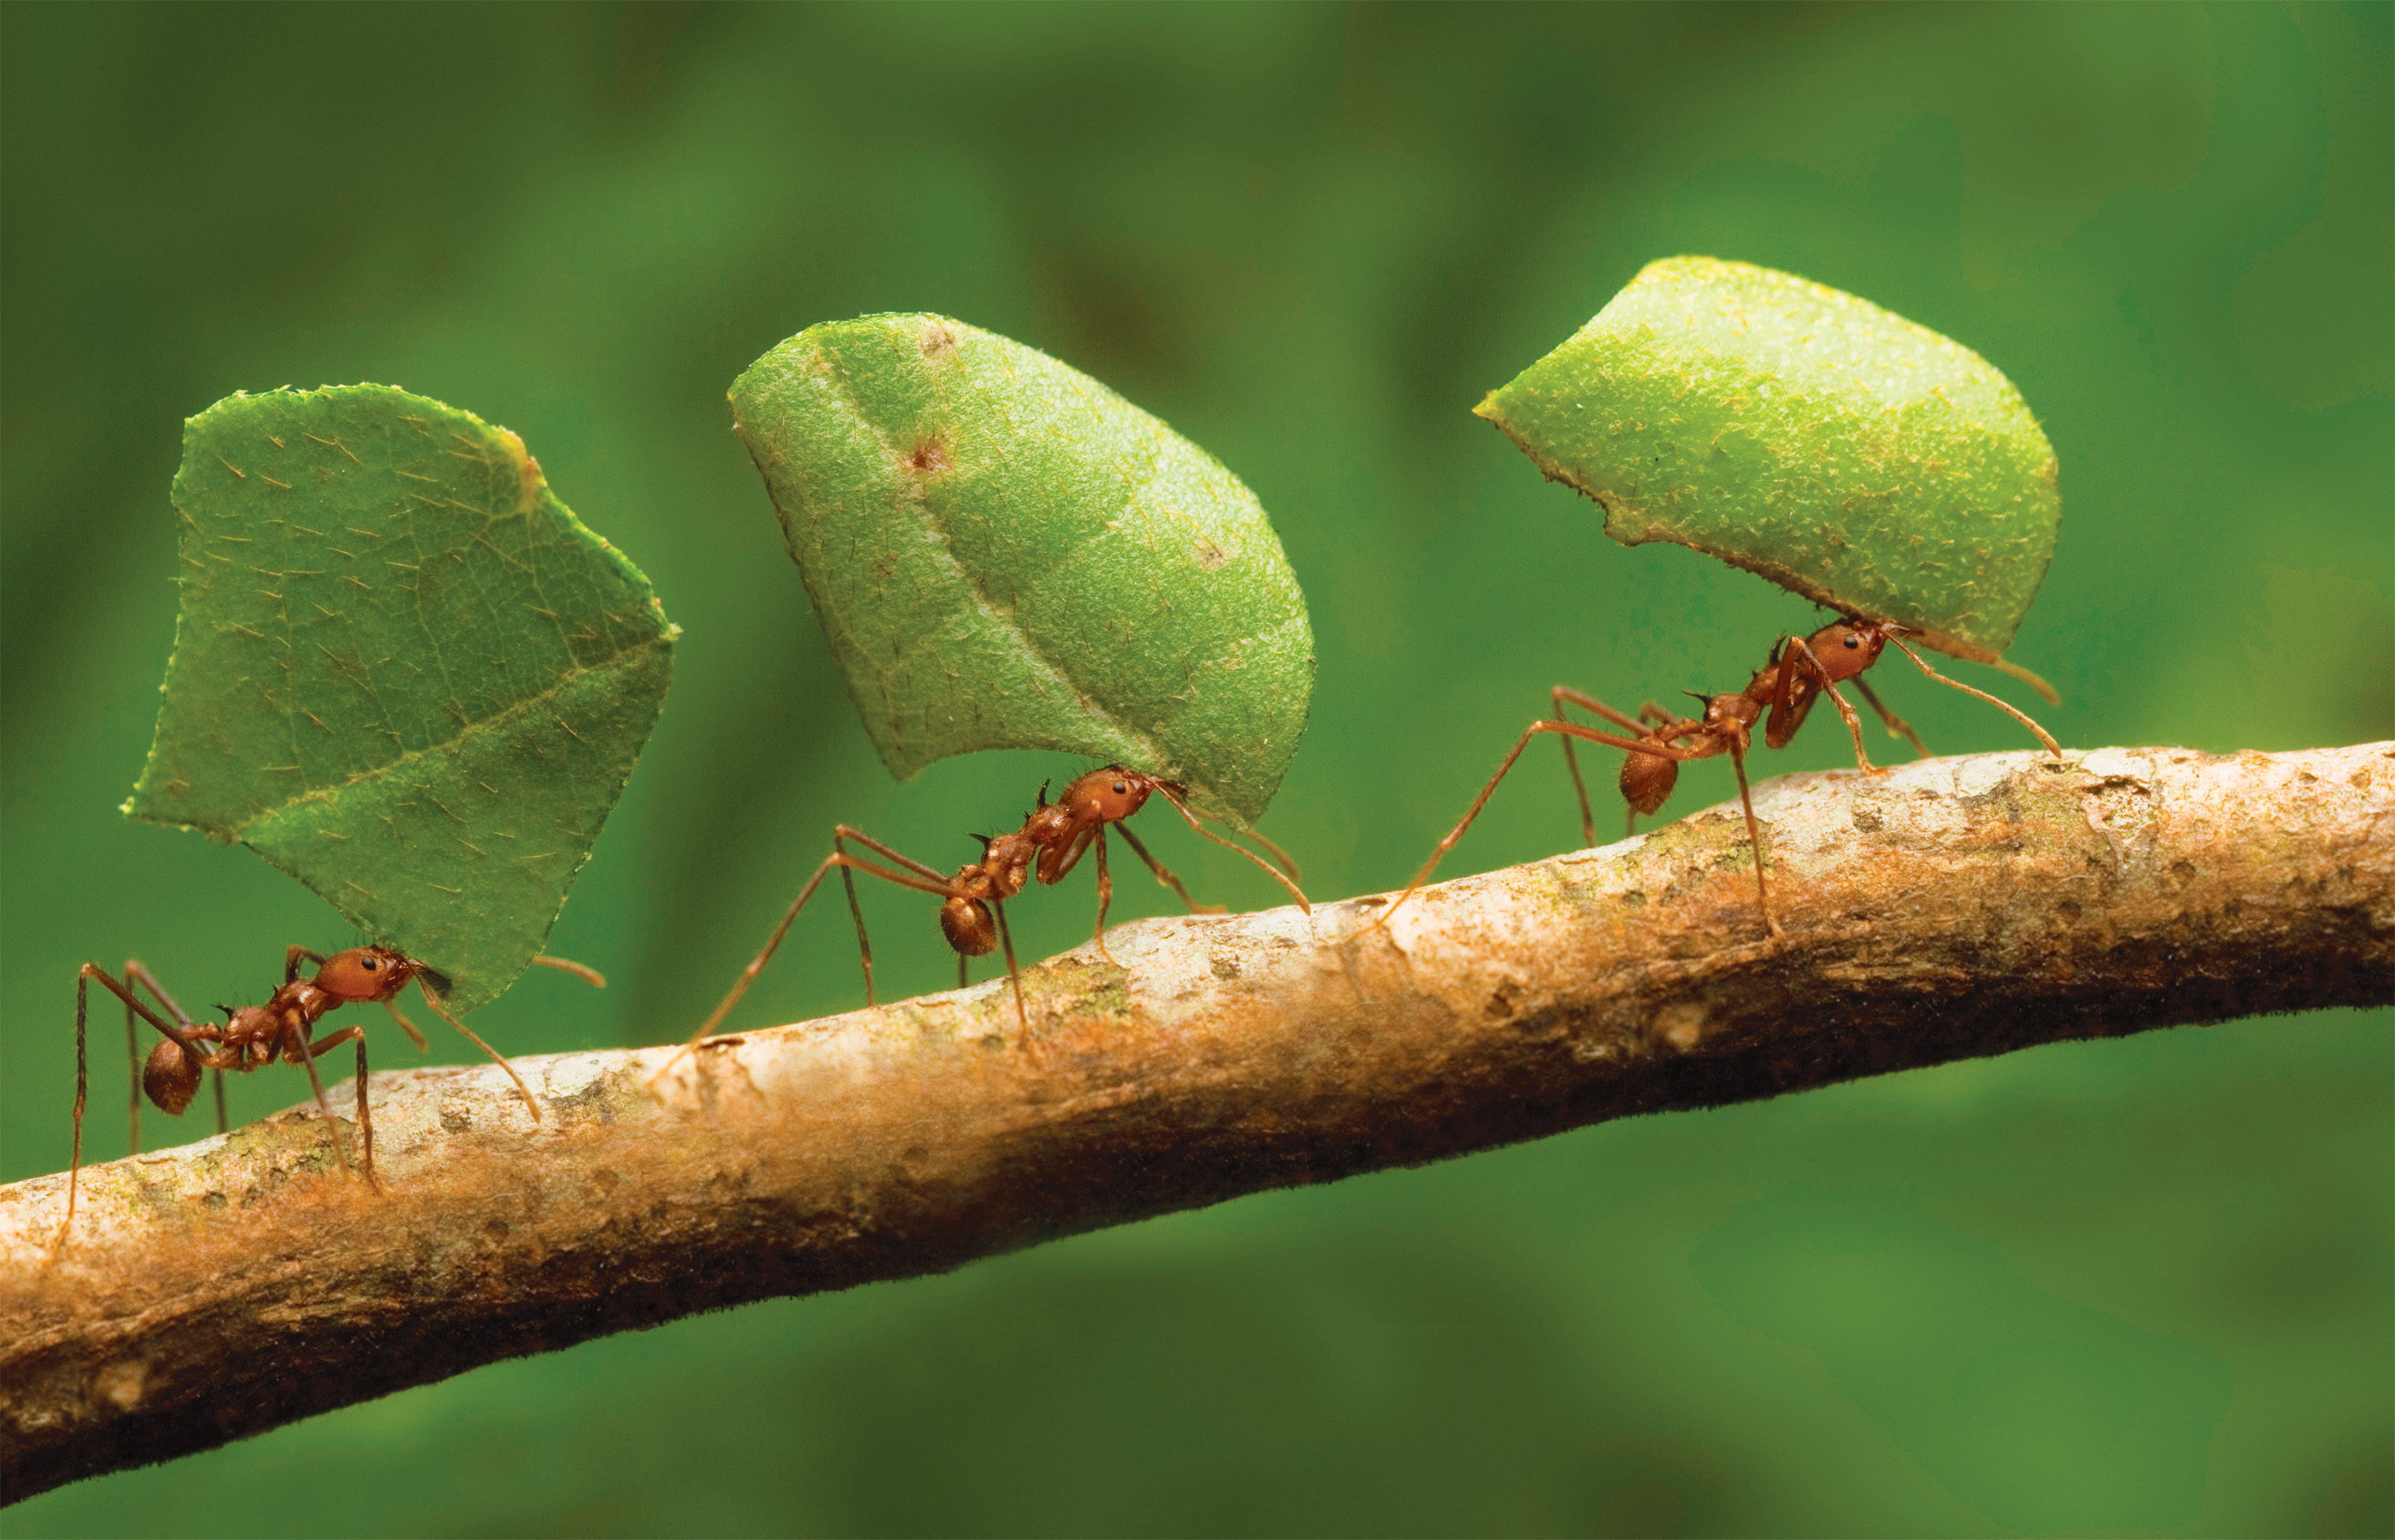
929,459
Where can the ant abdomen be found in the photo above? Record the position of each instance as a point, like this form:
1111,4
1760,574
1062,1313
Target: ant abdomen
171,1076
967,926
1647,779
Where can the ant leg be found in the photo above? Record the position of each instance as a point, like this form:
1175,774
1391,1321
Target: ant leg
1642,746
217,1077
186,1034
1580,787
1587,702
1897,725
406,1026
1191,818
496,1057
1057,861
1754,837
1164,875
582,971
133,1093
365,1122
1022,1012
856,912
962,978
1638,723
136,977
1279,858
2051,747
1105,897
842,831
1853,723
74,1164
931,882
316,1082
2045,691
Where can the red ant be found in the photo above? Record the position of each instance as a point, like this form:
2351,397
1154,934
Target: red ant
252,1035
1048,846
1801,670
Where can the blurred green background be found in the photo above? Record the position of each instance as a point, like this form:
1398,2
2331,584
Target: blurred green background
2136,1287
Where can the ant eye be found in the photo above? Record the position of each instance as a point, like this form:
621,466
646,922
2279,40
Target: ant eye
1853,641
1121,791
369,964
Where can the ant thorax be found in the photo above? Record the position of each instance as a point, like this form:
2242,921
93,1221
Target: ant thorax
1005,866
1734,712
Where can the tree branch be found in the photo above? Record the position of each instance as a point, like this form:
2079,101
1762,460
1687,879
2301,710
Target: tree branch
1950,908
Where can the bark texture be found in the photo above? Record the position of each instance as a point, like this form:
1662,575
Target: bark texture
1950,909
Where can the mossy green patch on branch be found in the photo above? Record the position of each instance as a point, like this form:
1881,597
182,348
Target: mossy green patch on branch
1006,554
1838,449
403,671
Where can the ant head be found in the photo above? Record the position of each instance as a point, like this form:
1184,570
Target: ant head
969,927
1867,639
1108,795
1847,644
370,973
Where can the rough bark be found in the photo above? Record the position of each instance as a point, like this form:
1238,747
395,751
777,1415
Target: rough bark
1950,908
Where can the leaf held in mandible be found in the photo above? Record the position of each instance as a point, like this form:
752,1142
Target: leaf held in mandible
1005,554
403,671
1845,453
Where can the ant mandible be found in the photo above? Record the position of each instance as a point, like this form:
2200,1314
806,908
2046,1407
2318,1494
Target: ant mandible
1800,672
252,1035
1050,843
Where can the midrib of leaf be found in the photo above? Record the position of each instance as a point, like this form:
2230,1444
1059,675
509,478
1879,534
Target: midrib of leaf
495,722
920,495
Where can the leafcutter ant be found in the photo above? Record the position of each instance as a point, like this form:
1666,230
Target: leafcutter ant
252,1035
1050,843
1801,670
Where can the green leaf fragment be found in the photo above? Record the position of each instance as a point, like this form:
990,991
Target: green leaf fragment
403,671
1838,449
1005,554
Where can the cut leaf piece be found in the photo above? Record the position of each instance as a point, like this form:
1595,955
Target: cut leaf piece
1845,453
403,671
1006,554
